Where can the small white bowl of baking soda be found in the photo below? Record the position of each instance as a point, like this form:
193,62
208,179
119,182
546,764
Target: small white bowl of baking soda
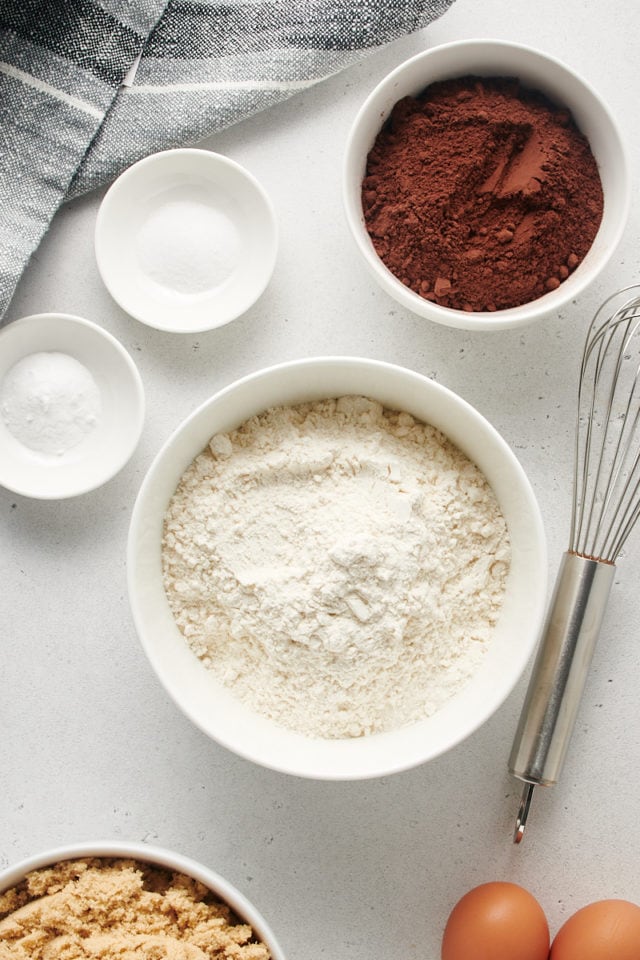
71,406
337,568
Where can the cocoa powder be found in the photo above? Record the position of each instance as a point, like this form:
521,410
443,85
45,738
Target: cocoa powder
481,194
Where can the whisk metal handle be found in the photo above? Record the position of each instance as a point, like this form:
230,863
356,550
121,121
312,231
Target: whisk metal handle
559,674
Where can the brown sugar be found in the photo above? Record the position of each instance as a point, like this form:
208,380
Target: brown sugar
107,908
481,194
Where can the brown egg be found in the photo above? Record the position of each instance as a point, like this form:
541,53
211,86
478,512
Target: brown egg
605,930
496,921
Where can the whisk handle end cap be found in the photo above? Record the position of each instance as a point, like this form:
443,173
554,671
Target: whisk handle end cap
523,812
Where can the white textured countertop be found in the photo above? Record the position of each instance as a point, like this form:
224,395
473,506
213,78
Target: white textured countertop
92,747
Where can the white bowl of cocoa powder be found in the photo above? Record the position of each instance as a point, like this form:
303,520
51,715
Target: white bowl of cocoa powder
337,568
485,184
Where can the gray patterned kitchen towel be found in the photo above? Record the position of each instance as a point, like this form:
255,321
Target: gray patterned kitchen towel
89,86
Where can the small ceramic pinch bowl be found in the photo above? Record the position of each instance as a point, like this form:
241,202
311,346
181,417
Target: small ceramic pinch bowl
157,857
186,240
212,706
99,455
535,70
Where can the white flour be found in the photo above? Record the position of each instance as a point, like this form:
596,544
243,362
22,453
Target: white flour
338,565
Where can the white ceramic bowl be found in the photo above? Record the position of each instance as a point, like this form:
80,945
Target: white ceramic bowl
224,890
106,449
212,707
536,70
186,240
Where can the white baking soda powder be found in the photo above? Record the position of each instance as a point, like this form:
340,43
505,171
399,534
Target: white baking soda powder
50,402
188,246
339,566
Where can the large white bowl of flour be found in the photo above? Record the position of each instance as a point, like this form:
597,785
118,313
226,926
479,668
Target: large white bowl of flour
320,603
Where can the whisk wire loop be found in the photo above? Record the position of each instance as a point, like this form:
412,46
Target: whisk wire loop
606,490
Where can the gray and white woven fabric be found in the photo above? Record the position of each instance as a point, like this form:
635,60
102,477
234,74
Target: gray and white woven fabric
71,119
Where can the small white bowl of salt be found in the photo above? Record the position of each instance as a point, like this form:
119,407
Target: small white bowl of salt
71,406
186,240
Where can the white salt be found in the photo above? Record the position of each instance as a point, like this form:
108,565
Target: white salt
188,246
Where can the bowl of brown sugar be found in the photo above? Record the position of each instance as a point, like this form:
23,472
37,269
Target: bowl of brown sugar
120,899
485,184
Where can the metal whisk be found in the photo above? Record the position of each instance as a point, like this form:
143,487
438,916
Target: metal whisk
606,506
